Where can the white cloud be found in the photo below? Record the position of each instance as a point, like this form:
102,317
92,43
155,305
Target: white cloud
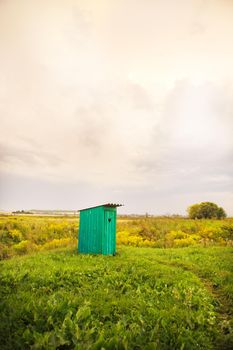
122,95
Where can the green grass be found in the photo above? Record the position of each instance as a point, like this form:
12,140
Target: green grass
143,298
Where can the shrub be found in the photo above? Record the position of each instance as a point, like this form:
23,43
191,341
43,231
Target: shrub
184,242
58,243
206,210
125,238
16,235
5,252
180,239
25,247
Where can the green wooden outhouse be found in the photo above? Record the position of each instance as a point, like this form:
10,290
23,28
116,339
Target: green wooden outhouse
97,229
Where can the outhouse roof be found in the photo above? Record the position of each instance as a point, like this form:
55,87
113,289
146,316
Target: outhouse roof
108,205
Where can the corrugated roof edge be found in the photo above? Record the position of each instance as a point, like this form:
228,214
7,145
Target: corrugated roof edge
109,205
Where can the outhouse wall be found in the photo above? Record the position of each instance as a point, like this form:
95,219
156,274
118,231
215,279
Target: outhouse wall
90,230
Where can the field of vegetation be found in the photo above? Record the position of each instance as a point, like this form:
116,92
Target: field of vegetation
170,286
143,298
20,235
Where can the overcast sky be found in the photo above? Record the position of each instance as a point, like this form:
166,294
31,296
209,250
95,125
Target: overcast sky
127,101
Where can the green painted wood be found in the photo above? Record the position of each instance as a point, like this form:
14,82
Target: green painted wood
109,234
97,231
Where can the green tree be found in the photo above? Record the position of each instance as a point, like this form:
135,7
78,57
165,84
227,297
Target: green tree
206,210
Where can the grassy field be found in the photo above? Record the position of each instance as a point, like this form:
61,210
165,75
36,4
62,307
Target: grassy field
20,235
143,298
169,287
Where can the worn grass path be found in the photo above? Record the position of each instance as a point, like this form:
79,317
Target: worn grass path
223,305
